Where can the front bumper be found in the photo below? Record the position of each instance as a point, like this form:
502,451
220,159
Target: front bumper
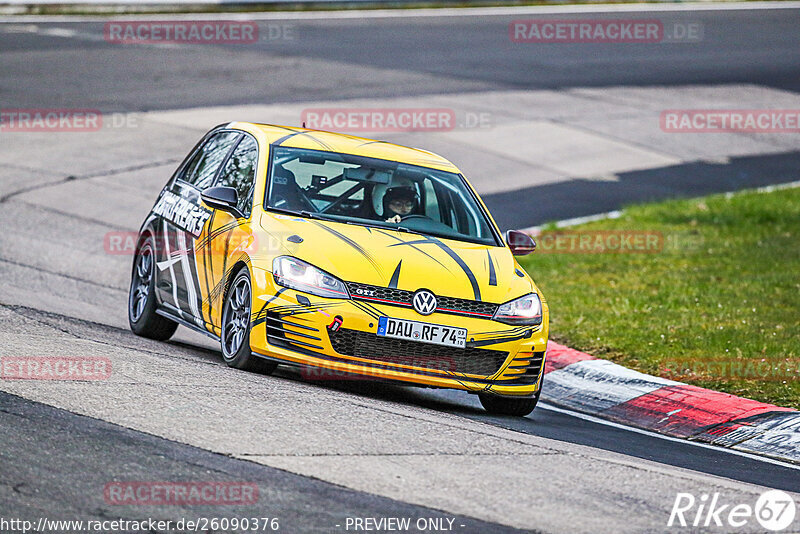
501,359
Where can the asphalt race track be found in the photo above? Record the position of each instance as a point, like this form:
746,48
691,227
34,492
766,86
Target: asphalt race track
572,130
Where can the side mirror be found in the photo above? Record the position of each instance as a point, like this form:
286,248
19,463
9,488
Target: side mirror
520,243
222,198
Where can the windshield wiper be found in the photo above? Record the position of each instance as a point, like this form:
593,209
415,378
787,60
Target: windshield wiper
368,225
382,227
304,213
409,230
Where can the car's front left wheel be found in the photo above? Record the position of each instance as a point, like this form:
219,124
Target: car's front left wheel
519,407
235,338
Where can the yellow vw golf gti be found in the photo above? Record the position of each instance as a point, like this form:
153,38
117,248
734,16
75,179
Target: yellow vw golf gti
341,255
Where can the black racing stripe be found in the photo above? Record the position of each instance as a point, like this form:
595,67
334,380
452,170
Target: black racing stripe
320,304
352,243
289,128
261,316
216,233
495,341
461,263
211,234
207,263
364,304
297,312
412,245
415,242
220,285
291,308
216,291
323,144
363,307
396,276
373,143
312,308
285,138
369,310
169,257
513,331
225,264
492,275
296,317
191,252
425,162
297,325
374,309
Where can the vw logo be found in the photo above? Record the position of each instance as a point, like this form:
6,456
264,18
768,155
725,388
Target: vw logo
424,302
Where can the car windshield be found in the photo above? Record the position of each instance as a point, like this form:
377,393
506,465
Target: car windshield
375,192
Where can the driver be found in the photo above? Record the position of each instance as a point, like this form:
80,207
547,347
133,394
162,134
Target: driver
398,202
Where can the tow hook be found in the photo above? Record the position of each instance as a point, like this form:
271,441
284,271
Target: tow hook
336,324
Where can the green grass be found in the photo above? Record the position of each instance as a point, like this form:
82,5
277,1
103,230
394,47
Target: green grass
725,288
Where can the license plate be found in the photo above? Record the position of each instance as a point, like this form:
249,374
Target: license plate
424,332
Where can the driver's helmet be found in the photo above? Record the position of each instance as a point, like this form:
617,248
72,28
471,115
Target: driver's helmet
402,192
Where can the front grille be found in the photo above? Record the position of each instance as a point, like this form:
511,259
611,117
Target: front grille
481,362
368,292
401,297
474,307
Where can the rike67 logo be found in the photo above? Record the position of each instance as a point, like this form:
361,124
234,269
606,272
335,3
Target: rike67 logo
774,510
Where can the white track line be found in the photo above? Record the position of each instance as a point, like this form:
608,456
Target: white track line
718,448
410,13
616,214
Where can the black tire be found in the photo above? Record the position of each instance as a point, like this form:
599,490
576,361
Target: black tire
142,316
518,407
235,335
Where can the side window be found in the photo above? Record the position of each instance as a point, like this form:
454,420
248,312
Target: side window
201,170
240,173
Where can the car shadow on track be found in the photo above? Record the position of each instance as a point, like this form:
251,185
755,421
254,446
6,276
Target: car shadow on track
387,391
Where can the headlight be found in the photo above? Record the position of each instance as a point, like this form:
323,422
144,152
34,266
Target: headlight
525,310
299,275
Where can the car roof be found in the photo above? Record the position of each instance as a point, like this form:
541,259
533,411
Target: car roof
291,136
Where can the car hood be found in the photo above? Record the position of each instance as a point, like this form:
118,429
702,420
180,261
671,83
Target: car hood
388,258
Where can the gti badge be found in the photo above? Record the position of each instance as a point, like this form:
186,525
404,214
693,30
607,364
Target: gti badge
424,302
